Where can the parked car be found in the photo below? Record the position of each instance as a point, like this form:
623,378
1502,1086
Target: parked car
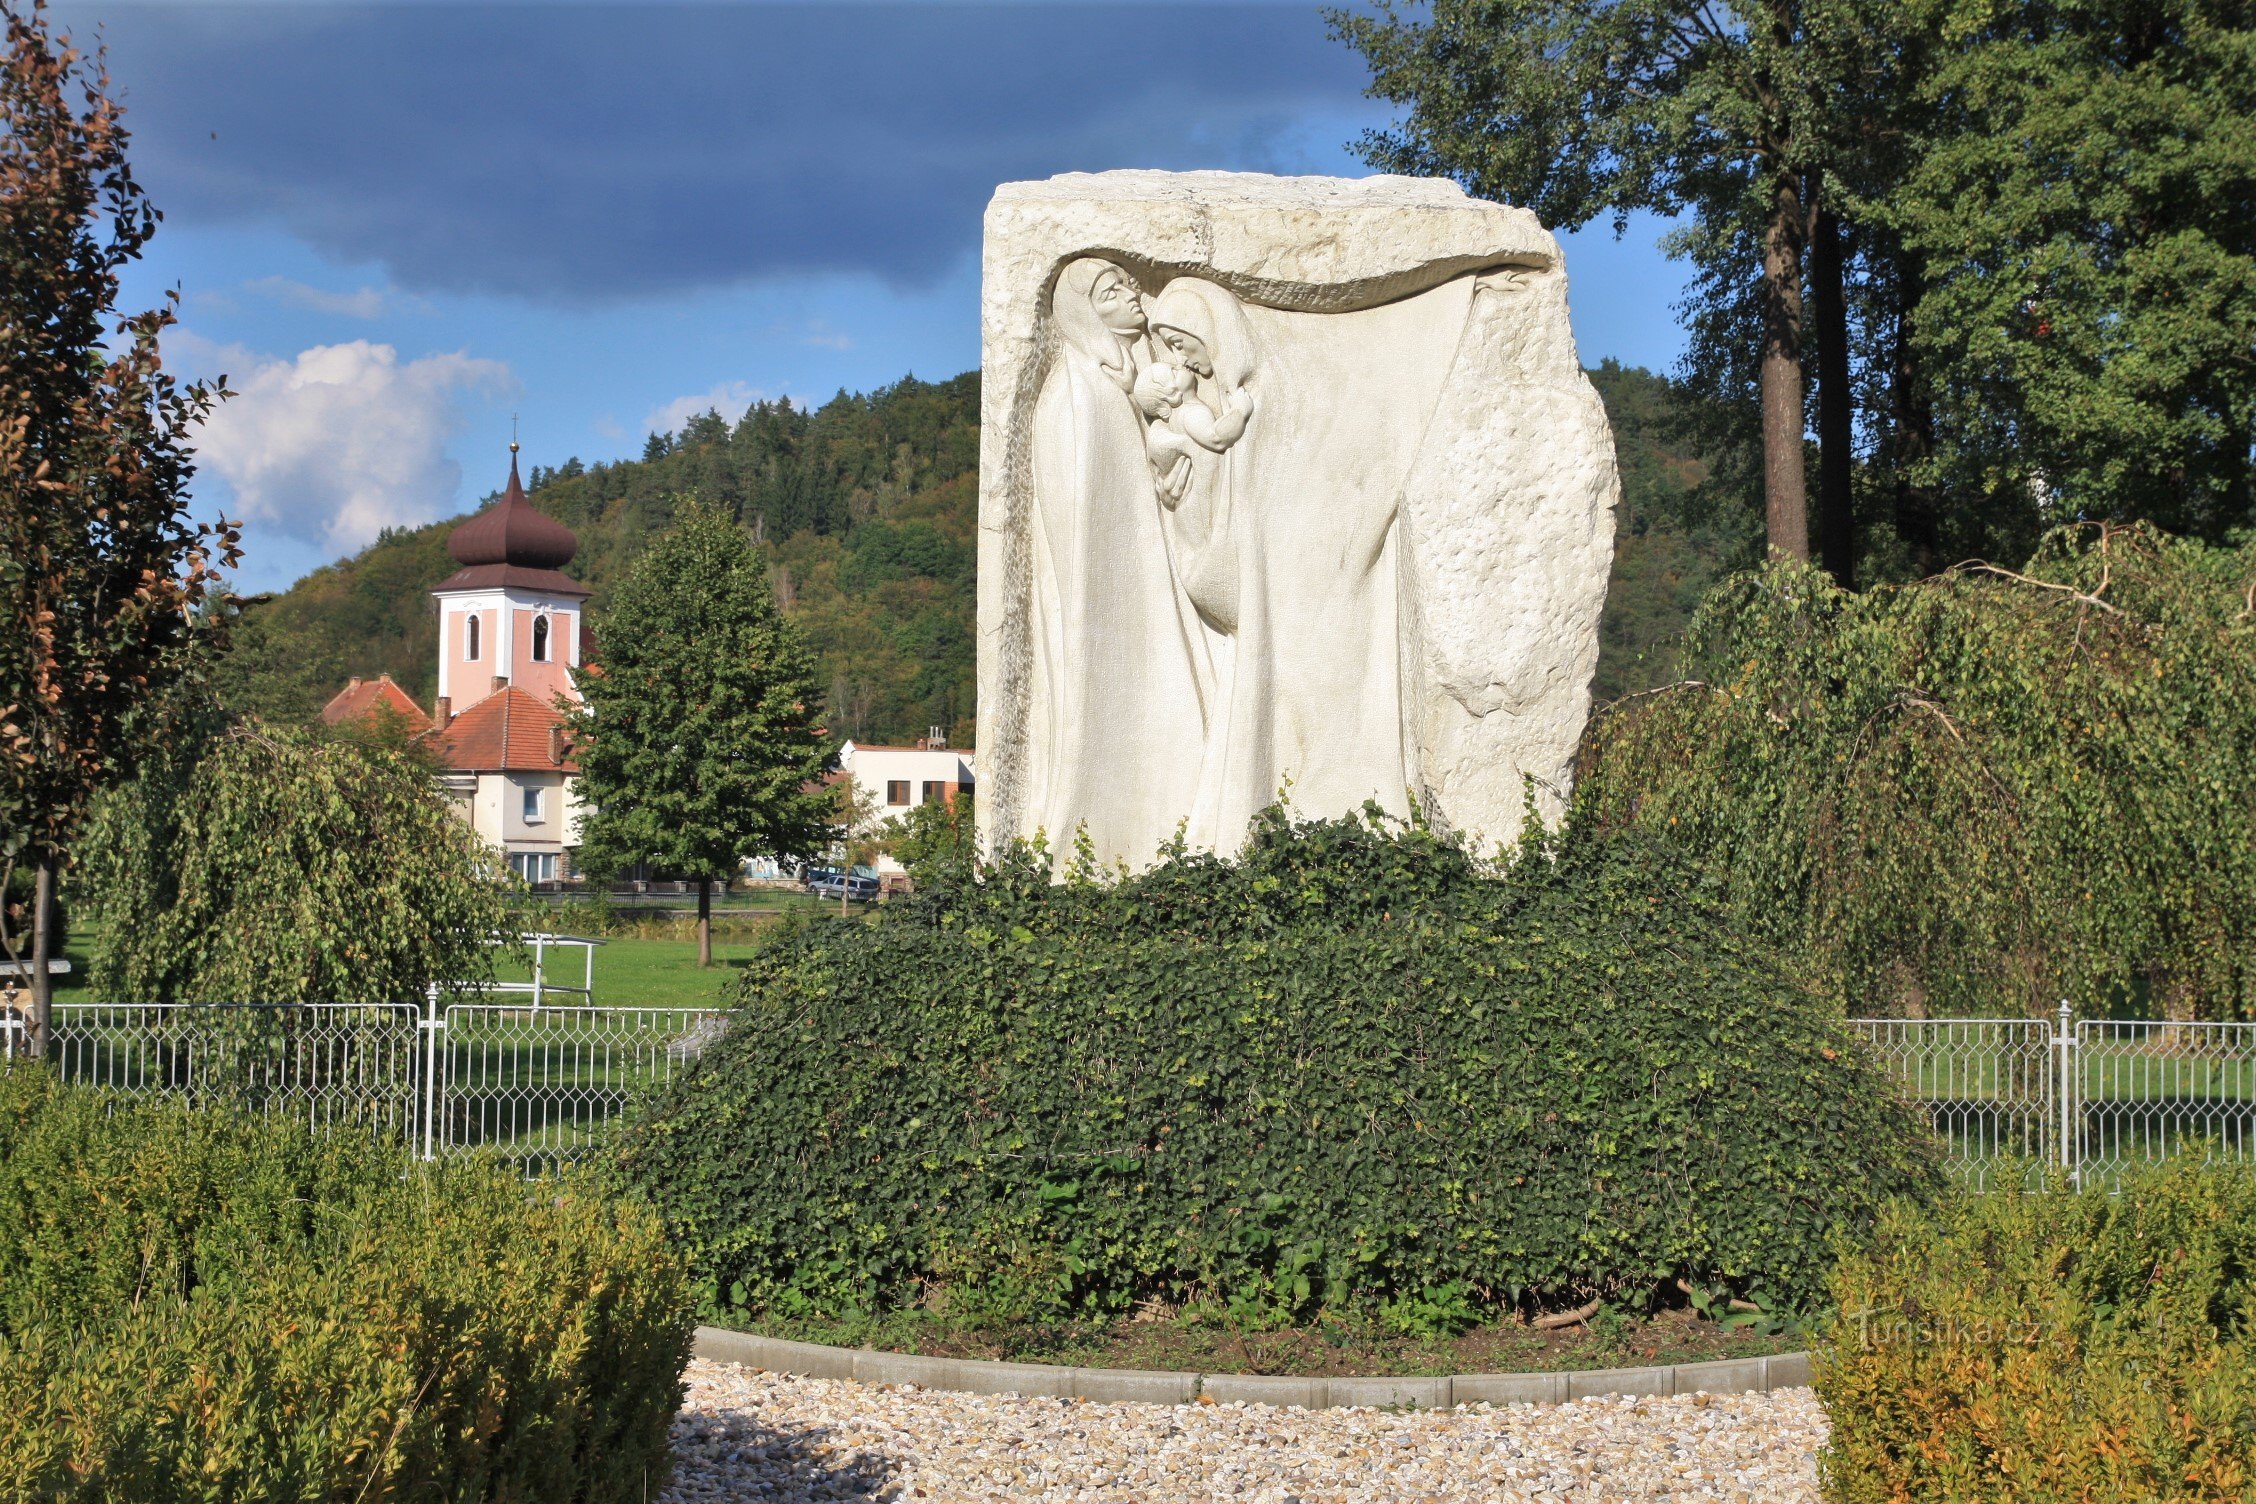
829,882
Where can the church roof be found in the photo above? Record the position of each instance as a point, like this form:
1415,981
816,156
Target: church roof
361,698
512,543
509,731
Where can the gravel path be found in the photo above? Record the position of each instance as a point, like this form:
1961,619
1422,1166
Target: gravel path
750,1435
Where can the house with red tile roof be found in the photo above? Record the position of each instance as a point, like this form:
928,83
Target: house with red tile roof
365,699
510,633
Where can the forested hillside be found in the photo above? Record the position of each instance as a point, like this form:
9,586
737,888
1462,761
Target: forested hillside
867,507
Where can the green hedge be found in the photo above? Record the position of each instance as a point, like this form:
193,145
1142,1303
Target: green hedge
199,1304
2051,1348
1348,1070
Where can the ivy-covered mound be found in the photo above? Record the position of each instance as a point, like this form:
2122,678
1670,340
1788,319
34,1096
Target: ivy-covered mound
202,1304
1346,1070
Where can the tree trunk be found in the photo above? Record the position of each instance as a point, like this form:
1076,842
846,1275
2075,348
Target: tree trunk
1912,428
1785,486
1829,306
704,921
42,946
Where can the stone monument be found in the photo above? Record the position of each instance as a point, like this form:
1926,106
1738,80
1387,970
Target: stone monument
1284,482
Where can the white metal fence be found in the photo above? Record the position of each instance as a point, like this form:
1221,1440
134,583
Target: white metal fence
540,1084
2091,1098
536,1085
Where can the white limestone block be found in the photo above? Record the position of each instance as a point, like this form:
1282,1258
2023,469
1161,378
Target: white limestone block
1286,485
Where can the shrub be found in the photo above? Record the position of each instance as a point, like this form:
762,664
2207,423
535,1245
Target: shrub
2050,1346
254,864
1978,793
1347,1069
201,1304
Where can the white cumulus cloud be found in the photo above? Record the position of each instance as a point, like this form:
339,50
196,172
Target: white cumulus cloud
334,446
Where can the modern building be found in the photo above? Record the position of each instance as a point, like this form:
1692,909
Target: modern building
510,632
896,780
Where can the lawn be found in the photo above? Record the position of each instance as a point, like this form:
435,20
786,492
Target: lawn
648,973
628,973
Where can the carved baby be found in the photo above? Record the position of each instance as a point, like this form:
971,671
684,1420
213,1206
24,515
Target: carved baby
1167,387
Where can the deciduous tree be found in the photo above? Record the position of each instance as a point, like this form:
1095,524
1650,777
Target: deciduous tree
2084,209
247,864
103,577
697,736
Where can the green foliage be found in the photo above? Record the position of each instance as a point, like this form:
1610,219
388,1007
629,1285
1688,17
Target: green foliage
2050,1348
248,864
1976,794
2083,210
1350,1070
105,584
938,840
1684,520
696,734
196,1304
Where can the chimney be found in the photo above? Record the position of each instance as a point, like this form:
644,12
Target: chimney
500,683
556,745
353,682
442,711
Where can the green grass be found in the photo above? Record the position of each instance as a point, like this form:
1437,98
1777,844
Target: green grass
629,973
647,973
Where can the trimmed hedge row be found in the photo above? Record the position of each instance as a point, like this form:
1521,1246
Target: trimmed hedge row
1351,1069
200,1304
2050,1348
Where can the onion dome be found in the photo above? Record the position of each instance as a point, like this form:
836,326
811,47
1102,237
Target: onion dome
512,532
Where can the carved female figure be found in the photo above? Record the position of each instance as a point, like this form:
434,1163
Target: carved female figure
1117,651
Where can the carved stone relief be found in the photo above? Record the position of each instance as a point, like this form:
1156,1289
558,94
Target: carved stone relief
1284,482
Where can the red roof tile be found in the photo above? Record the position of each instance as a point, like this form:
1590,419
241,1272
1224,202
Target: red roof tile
506,732
362,698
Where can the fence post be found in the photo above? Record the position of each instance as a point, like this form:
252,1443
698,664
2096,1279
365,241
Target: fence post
431,1025
2071,1110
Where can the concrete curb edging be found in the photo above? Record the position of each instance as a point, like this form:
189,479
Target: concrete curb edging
812,1360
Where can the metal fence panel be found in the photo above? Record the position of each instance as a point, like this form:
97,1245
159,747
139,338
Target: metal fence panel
1990,1087
541,1086
2148,1091
325,1064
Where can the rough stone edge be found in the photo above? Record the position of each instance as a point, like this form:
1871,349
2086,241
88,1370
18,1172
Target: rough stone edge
813,1360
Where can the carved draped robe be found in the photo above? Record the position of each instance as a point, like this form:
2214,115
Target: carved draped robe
1115,641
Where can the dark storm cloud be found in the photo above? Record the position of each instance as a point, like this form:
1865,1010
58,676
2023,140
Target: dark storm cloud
585,154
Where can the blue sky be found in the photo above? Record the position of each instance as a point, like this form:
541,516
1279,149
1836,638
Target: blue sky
394,226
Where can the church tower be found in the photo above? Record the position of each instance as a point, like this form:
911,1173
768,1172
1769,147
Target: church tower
509,617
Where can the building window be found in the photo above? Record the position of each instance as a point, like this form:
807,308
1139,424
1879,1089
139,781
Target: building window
540,639
534,866
532,806
470,637
897,792
933,792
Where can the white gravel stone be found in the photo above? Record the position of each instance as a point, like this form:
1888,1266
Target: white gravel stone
750,1435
